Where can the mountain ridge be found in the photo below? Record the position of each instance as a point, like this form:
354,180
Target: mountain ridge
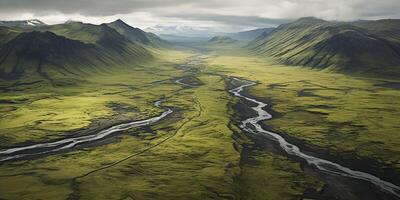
343,46
74,49
136,34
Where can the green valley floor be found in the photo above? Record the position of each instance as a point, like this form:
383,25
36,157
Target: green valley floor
199,151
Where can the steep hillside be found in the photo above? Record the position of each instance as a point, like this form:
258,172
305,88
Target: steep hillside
103,36
136,34
39,53
6,34
322,44
47,55
388,28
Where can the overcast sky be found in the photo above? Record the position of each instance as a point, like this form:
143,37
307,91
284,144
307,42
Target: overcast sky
229,15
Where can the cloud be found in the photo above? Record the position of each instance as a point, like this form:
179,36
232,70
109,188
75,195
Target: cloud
83,7
253,21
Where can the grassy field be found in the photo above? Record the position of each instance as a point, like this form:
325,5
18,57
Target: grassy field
349,116
195,153
39,112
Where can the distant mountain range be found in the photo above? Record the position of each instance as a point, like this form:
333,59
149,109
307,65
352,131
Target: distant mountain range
31,49
221,40
249,35
187,33
22,23
360,47
71,49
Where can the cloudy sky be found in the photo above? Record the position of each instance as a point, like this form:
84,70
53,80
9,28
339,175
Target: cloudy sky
226,15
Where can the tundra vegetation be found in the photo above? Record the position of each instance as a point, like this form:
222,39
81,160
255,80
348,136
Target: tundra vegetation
199,151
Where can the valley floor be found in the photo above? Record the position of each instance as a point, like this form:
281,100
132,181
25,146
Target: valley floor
199,150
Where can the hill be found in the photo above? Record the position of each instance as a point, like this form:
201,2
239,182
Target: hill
249,35
360,47
136,34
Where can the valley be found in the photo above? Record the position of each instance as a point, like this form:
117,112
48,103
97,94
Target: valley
122,114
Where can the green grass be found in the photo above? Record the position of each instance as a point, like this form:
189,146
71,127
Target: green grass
190,155
40,111
273,177
336,112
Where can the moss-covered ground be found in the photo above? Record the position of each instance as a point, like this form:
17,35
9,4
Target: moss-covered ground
195,153
355,118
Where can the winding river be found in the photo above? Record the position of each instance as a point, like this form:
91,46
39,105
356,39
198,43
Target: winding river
252,125
68,143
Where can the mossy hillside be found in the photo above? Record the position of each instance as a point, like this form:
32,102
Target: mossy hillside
341,113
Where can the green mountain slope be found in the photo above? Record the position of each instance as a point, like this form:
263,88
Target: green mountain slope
322,44
136,34
103,36
387,28
7,34
71,49
39,53
250,35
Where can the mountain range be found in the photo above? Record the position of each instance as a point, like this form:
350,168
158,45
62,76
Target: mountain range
31,49
249,35
71,49
187,33
359,47
221,40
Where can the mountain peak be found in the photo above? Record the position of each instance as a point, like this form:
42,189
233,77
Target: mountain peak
119,22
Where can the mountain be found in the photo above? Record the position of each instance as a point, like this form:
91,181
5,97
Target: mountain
22,23
39,53
136,34
73,49
360,47
103,36
221,40
249,35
